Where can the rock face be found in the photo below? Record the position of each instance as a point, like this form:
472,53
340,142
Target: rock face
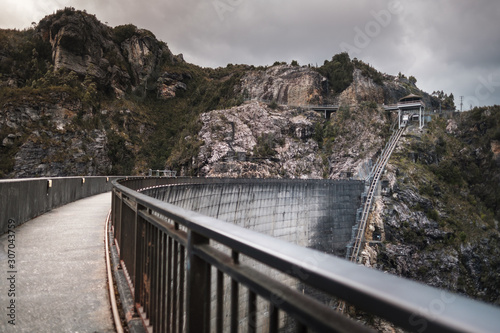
362,89
431,224
256,141
170,83
352,137
421,249
59,148
285,84
82,44
77,42
144,54
49,154
359,134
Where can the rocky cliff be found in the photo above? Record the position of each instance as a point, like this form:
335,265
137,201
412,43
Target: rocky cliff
49,135
297,142
122,58
256,141
362,89
437,219
285,84
125,72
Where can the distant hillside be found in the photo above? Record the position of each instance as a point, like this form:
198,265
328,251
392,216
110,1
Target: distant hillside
80,97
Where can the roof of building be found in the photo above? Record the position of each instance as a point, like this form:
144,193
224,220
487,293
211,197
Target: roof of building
411,97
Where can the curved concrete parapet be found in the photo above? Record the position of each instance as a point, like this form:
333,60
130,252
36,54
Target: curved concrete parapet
24,199
312,213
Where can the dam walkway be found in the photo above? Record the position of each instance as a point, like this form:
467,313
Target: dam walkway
188,272
57,281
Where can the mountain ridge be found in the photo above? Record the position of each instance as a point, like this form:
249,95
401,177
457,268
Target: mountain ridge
103,68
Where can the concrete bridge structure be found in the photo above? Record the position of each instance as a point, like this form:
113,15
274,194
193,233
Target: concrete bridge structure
203,255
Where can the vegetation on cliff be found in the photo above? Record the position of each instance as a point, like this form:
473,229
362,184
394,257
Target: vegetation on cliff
126,84
443,206
142,126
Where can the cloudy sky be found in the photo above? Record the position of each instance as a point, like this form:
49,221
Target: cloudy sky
450,45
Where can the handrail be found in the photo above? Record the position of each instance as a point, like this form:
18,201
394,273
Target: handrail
353,250
375,177
156,237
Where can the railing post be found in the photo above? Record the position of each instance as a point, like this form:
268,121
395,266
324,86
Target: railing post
140,243
198,287
129,211
117,217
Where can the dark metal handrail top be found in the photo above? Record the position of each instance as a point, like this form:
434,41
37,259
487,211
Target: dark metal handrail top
406,303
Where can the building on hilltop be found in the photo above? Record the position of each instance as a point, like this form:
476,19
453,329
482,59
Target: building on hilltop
411,108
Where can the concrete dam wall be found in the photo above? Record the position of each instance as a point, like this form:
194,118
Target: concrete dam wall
313,213
317,214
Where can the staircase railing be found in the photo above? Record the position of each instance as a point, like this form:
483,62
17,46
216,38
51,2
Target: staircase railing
354,248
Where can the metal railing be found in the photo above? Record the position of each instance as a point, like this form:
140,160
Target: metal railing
418,102
374,178
162,173
172,256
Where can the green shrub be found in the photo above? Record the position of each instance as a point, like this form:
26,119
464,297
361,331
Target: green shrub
273,105
433,215
123,32
449,172
265,145
426,189
318,134
344,112
122,158
338,71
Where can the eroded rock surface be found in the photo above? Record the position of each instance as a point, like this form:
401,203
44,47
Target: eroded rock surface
255,141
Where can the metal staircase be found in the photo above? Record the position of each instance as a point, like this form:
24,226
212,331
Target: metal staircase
356,244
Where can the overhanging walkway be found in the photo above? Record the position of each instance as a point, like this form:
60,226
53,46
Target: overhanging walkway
60,280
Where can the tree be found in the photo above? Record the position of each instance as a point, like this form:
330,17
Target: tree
447,102
338,71
412,80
